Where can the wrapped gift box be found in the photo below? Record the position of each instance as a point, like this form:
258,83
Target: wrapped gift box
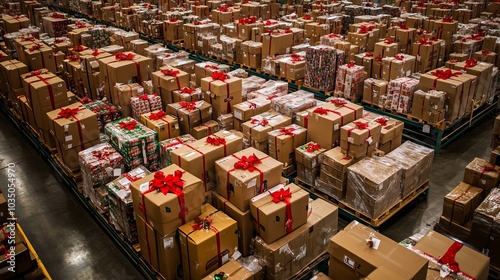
481,174
105,112
207,242
279,211
245,174
386,48
38,56
399,66
333,172
11,71
482,71
167,80
222,91
165,125
359,138
445,28
167,146
293,67
350,78
400,94
187,94
246,110
205,69
100,164
225,14
426,52
486,56
459,204
330,117
429,106
122,95
244,27
290,104
205,129
190,114
173,30
373,185
137,143
277,42
257,129
308,154
55,24
373,90
283,141
315,30
366,60
199,157
121,209
143,104
317,75
15,23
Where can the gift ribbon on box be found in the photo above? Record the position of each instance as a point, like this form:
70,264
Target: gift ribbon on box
359,126
323,111
246,163
40,78
283,195
172,183
204,174
128,57
289,131
172,73
206,224
312,147
68,113
219,76
160,116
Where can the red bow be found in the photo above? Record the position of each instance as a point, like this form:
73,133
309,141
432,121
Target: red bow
382,121
219,76
365,29
102,155
485,52
187,90
469,63
80,24
247,163
58,40
128,125
200,224
210,66
361,125
388,41
79,48
311,147
73,57
369,54
424,41
445,74
158,115
448,19
269,22
338,102
223,8
321,111
378,58
333,35
57,15
143,96
296,57
487,169
350,64
262,122
29,38
399,57
287,131
196,23
283,195
34,73
85,100
95,52
287,31
215,140
452,61
402,26
248,20
170,72
306,17
188,105
35,47
67,113
437,2
167,184
173,20
122,56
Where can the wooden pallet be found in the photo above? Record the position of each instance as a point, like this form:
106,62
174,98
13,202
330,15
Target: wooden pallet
378,221
441,124
327,93
76,175
243,66
303,184
173,42
326,196
353,100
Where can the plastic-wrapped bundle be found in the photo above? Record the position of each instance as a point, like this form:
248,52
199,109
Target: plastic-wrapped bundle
400,95
373,185
270,89
321,65
294,102
143,104
105,112
416,162
99,164
483,219
349,82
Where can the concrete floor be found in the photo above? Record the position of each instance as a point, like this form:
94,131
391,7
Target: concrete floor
73,246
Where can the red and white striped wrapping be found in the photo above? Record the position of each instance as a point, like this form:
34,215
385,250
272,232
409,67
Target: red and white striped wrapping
400,95
144,104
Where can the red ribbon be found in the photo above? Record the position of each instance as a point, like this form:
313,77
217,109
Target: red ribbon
485,52
306,17
157,116
448,19
85,100
79,48
80,24
382,121
95,52
35,47
57,15
338,102
68,113
399,57
363,29
350,64
487,169
388,41
188,105
248,20
29,38
144,97
424,41
34,73
469,63
173,20
122,56
312,147
200,224
445,74
402,26
187,90
219,76
216,75
172,183
262,122
73,57
448,259
215,140
287,131
128,125
283,195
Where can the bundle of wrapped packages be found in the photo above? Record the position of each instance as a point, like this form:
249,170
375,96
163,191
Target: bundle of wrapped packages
294,102
359,138
100,164
400,94
429,106
398,66
190,114
121,210
136,143
222,91
255,131
269,90
165,125
482,174
167,146
321,66
349,83
105,112
283,141
332,178
391,134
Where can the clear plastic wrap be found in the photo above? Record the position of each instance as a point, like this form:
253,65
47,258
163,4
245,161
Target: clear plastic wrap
270,89
144,104
374,185
294,102
246,110
459,204
239,73
481,173
121,210
99,165
416,162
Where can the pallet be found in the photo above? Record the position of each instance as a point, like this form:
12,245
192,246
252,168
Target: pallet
243,66
303,184
439,125
326,196
327,93
381,219
353,100
173,42
75,175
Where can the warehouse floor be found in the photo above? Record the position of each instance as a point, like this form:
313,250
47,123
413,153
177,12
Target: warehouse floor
73,246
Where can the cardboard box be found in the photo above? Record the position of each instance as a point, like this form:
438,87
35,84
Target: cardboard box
254,173
233,270
276,43
243,219
11,72
274,219
358,133
373,89
187,95
428,105
222,91
330,118
386,48
257,129
205,129
482,71
426,52
162,209
481,174
246,110
190,114
199,157
283,141
471,262
165,125
204,250
397,67
459,204
308,154
351,257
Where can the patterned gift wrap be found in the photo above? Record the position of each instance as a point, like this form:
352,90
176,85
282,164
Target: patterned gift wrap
270,89
137,143
99,37
294,102
400,95
106,112
100,164
167,146
121,210
321,65
350,79
144,104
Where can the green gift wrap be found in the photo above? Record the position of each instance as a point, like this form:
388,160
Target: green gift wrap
137,143
106,112
168,145
121,209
